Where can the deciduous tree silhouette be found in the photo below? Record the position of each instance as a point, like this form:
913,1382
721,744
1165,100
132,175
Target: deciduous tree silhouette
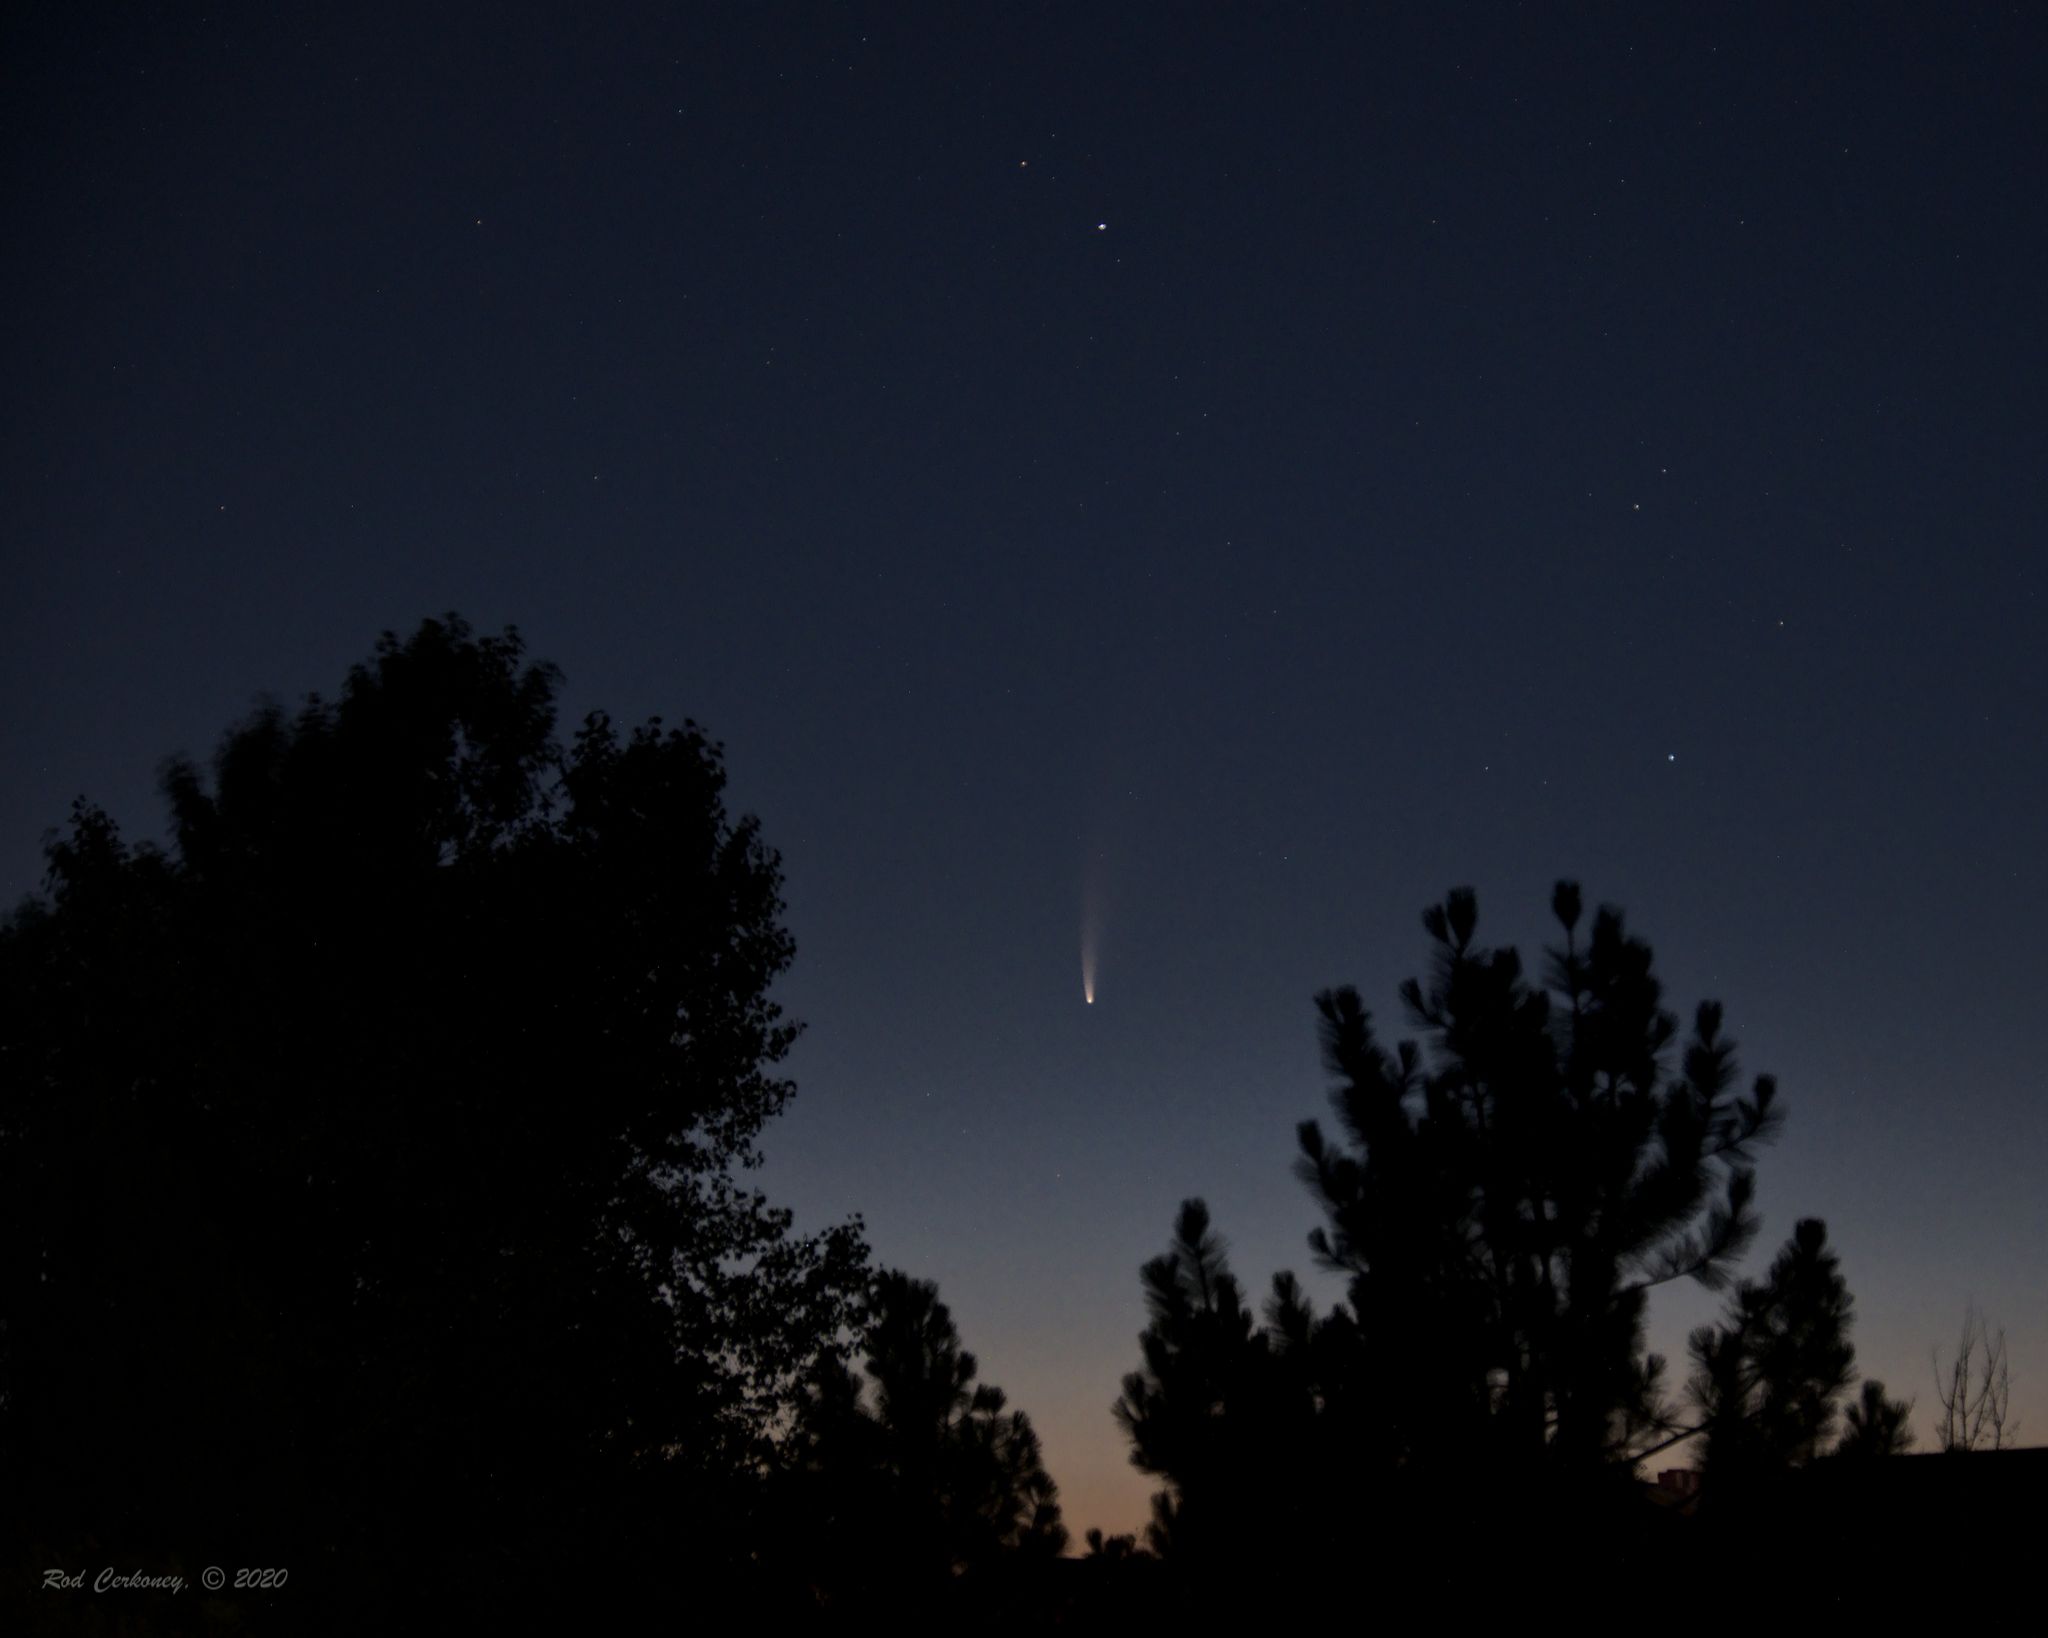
372,1159
1974,1390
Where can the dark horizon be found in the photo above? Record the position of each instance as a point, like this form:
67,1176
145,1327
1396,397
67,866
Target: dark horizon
1206,487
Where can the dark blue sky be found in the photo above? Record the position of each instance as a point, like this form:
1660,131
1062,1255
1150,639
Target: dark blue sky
1270,463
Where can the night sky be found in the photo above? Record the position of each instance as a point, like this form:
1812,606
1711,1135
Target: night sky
1207,479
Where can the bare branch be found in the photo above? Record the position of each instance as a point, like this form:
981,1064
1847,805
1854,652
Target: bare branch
1975,1390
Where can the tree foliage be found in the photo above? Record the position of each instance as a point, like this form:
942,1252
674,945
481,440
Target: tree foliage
1512,1189
932,1477
1117,1549
1875,1425
1766,1381
384,1137
1501,1196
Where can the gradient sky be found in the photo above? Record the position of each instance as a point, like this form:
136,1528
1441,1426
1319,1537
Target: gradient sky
1228,472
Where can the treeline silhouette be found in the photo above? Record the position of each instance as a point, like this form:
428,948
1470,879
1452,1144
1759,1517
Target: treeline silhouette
374,1205
374,1159
1469,1427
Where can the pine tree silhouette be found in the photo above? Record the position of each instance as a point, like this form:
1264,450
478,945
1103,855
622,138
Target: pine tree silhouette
1509,1197
1218,1409
1875,1425
934,1479
1767,1379
1502,1196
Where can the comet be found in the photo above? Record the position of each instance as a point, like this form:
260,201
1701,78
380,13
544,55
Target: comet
1091,928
